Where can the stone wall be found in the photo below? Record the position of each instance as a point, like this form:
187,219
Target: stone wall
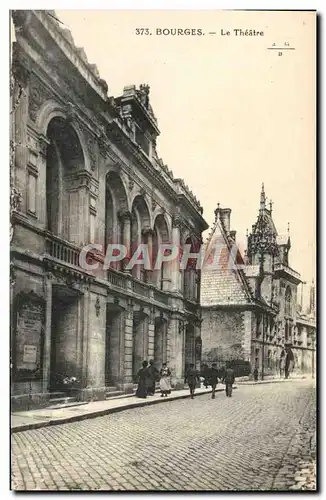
222,334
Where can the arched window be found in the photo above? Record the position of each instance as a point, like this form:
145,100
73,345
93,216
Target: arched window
288,302
63,161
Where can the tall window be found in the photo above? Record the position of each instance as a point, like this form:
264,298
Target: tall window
288,302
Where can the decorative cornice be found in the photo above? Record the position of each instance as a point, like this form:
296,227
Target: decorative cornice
147,231
124,215
125,141
177,221
72,54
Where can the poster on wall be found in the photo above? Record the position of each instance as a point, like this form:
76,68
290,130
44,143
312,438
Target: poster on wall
29,334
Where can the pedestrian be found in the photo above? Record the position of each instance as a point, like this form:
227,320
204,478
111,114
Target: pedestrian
152,377
289,363
229,380
165,381
213,379
256,374
192,376
206,374
142,378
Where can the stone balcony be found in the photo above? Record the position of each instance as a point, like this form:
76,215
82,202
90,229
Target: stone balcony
287,271
59,250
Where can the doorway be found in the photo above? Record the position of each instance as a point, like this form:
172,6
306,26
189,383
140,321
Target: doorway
66,350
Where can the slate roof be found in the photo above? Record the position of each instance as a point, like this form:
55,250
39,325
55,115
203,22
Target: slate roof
222,285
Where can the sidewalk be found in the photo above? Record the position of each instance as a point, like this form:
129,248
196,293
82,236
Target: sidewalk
26,420
34,419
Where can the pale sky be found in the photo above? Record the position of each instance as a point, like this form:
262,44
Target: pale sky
232,114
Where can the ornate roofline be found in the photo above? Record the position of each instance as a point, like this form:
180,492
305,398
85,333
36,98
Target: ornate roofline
230,242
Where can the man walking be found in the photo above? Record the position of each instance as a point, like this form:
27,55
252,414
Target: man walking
213,379
206,374
192,376
229,380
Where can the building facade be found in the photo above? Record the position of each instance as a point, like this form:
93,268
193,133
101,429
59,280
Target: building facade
249,303
85,170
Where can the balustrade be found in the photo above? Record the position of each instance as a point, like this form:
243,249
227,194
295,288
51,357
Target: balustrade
117,279
161,297
63,251
140,288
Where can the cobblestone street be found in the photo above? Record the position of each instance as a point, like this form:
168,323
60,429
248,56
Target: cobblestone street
260,439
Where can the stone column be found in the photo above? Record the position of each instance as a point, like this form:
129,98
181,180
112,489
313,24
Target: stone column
125,218
43,143
151,335
176,335
127,375
175,264
148,234
84,367
95,349
47,333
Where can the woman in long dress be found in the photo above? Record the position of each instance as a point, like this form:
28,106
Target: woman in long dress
142,378
165,381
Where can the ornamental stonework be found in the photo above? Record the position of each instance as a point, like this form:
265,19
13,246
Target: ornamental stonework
91,147
37,96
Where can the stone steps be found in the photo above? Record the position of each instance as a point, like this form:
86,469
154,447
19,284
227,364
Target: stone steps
114,394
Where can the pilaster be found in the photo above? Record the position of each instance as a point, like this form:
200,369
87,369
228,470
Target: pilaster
175,264
151,334
176,335
85,302
20,111
47,332
125,218
128,335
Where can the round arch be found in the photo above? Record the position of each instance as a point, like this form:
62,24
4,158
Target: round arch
161,236
140,204
50,110
116,212
64,155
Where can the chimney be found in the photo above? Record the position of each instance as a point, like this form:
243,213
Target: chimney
225,214
233,234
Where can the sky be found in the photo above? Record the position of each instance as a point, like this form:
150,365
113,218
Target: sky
232,114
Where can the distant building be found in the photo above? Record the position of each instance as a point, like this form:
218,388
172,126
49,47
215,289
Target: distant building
249,302
84,169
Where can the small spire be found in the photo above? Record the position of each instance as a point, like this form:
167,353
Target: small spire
270,206
262,198
288,228
217,211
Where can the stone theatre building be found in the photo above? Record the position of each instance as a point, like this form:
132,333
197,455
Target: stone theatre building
84,169
250,308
